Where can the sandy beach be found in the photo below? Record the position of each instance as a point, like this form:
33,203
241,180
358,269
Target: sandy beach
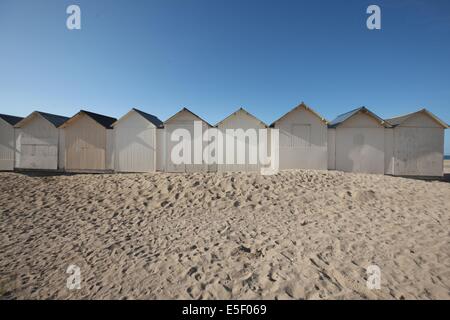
296,235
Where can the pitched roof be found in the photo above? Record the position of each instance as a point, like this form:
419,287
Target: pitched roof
12,120
153,119
149,117
102,120
345,116
400,119
186,109
246,112
54,119
304,106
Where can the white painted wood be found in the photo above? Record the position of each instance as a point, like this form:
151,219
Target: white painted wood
61,150
183,120
418,151
7,144
160,150
135,144
37,144
360,145
418,144
86,145
389,151
331,149
110,149
240,120
303,140
421,120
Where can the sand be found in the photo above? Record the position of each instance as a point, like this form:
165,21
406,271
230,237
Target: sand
447,166
296,235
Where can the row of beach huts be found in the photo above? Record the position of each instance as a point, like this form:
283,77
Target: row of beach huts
357,141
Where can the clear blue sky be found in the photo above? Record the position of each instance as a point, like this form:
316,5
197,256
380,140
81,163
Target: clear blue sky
214,56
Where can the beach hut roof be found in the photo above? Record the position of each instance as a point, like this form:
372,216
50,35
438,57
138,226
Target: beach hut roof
153,119
149,117
401,119
12,120
187,110
102,120
54,119
244,111
345,116
300,106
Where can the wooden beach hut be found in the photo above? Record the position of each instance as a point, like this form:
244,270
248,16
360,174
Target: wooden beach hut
235,148
135,147
7,141
89,142
184,119
39,141
417,145
359,142
303,139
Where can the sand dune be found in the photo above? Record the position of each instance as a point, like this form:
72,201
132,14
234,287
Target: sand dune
297,235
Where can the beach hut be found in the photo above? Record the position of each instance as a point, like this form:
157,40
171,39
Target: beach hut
7,141
359,142
135,136
235,149
303,139
417,141
184,119
38,141
89,142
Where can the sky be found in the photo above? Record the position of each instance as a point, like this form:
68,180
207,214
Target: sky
214,56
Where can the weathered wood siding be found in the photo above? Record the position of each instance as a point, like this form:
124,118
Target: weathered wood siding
184,120
160,150
419,147
233,146
389,151
360,145
303,141
85,142
37,144
135,144
7,144
331,150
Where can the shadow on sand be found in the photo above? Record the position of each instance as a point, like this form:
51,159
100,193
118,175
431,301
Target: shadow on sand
444,178
45,173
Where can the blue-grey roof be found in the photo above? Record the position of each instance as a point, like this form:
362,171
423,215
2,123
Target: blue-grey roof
343,117
153,119
105,121
12,120
54,119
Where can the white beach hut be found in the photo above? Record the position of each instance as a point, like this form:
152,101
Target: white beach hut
135,136
89,142
39,141
416,145
303,139
243,155
359,142
184,119
7,141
